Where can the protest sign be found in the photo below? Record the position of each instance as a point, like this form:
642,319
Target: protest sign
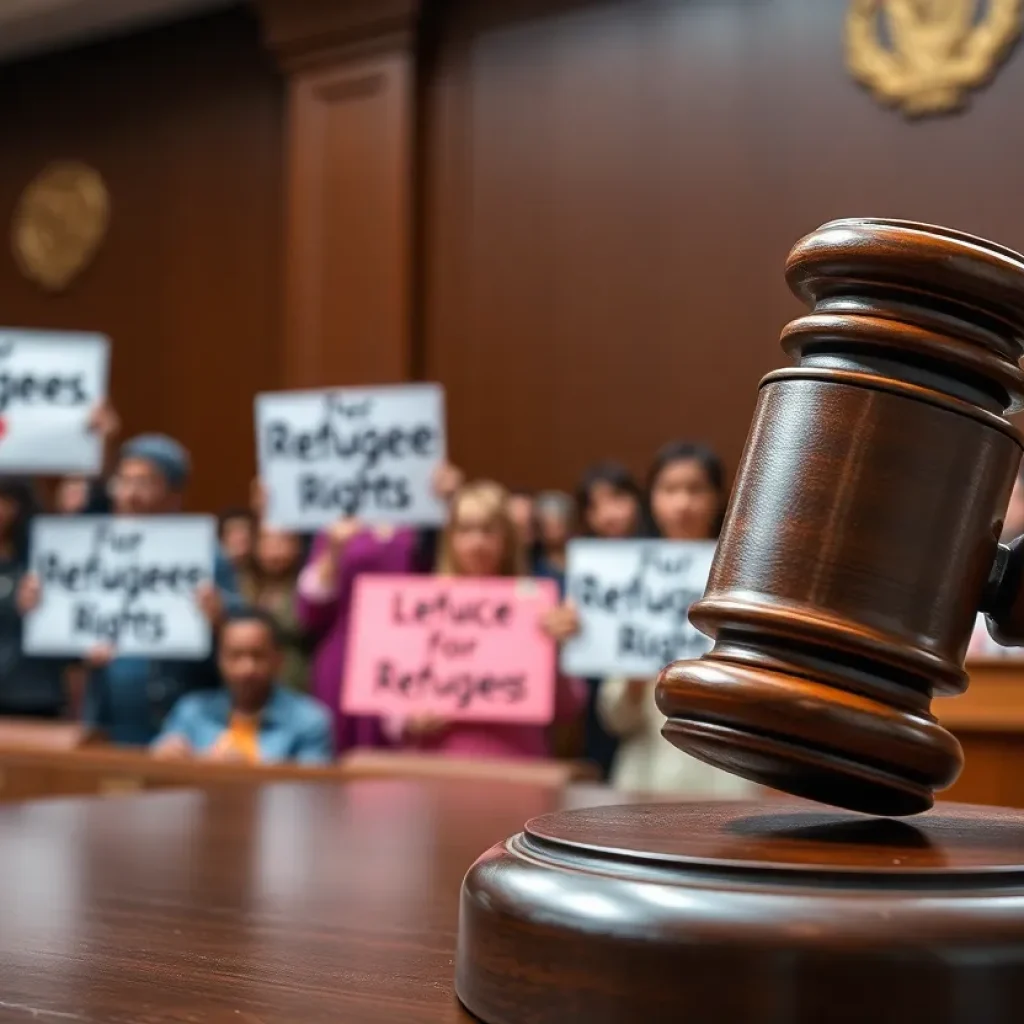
368,453
633,597
126,582
50,384
461,649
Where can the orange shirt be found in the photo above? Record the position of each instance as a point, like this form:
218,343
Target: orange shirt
241,737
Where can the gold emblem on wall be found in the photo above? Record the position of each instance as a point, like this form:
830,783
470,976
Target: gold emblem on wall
925,55
59,223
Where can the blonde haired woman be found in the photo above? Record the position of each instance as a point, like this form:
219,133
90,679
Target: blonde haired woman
481,538
481,541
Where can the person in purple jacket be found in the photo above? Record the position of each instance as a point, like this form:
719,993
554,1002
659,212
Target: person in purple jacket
339,556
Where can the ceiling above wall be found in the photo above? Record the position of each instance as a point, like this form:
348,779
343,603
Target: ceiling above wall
35,26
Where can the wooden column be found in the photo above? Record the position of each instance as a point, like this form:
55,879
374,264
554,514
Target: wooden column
350,147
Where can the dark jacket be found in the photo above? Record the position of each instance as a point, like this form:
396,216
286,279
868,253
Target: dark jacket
29,686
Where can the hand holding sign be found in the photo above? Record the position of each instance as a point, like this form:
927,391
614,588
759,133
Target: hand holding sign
447,480
562,622
340,532
29,592
104,421
100,656
210,604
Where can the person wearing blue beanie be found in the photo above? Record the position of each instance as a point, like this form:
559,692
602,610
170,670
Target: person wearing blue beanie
128,698
152,471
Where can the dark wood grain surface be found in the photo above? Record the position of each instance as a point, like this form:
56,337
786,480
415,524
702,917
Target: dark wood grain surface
288,904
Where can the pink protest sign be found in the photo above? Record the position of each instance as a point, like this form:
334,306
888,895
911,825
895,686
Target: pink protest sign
468,650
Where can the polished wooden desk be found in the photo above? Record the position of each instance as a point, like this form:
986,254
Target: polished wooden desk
286,904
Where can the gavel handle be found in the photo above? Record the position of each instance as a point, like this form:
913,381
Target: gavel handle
1003,601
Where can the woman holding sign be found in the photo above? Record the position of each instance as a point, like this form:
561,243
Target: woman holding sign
608,506
480,542
341,554
686,498
685,502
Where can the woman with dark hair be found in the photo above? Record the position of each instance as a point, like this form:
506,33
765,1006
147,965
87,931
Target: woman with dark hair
686,498
608,502
686,494
609,505
29,687
236,531
270,585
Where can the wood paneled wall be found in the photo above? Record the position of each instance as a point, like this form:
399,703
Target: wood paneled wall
573,214
611,191
186,125
351,225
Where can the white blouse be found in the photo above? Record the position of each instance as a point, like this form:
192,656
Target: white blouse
647,763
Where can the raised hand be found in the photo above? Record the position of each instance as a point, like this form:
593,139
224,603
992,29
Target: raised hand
104,420
561,623
29,593
447,480
210,603
341,531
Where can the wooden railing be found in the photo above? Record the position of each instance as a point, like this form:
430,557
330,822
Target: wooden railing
988,720
44,760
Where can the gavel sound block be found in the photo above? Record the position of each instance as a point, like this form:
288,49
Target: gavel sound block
860,543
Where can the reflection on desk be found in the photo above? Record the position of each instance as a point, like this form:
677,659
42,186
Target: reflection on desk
285,904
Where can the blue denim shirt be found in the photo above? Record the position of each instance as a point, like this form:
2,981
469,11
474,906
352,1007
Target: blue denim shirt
292,726
130,697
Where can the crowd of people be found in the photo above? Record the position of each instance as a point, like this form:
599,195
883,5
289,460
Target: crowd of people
281,604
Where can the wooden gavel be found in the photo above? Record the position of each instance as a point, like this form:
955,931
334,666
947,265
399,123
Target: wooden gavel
862,538
861,541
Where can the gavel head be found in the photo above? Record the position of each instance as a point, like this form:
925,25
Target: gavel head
862,535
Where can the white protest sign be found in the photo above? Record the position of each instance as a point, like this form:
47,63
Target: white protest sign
633,597
119,580
50,384
369,453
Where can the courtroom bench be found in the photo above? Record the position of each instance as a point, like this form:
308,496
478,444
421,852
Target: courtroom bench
988,720
63,759
39,760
